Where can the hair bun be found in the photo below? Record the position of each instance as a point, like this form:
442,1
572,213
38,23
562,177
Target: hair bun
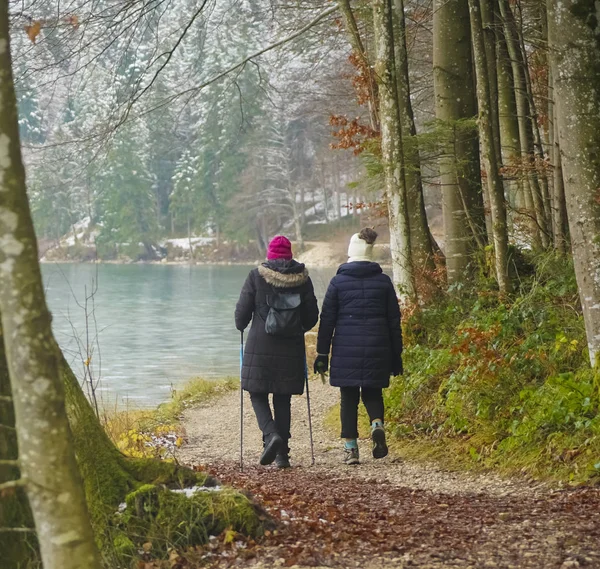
368,234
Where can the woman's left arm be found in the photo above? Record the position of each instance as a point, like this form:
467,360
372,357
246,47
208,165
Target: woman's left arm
310,307
393,316
244,308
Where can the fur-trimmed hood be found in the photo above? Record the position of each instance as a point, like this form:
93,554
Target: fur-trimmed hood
286,277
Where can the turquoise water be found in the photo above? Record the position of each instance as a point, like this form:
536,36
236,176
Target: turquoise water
156,325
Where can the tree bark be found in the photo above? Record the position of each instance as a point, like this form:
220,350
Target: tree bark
537,137
523,114
459,163
392,150
420,235
16,547
46,454
574,38
488,149
510,143
488,25
559,213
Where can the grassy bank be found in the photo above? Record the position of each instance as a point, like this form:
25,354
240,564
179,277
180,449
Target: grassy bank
158,432
501,382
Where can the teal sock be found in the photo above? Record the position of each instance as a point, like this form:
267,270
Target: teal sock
351,444
376,423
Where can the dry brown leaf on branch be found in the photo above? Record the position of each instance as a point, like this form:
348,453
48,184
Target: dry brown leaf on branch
33,30
73,20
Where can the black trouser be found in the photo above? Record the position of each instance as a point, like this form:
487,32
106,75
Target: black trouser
373,401
283,414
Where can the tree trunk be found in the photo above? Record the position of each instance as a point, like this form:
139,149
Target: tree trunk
559,214
298,227
190,244
537,137
489,21
574,40
16,547
46,454
523,114
420,236
489,40
359,49
488,150
392,150
459,164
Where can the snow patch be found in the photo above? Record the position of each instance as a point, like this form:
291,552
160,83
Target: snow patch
189,492
184,242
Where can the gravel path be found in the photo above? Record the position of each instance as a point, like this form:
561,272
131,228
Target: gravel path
386,513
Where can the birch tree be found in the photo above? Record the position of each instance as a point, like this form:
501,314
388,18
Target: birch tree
574,39
46,456
391,149
420,236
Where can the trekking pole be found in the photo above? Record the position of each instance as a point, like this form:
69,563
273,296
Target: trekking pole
241,403
312,446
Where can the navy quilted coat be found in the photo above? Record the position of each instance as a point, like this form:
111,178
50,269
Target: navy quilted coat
361,318
274,364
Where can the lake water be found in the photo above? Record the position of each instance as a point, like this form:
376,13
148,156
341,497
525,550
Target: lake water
157,325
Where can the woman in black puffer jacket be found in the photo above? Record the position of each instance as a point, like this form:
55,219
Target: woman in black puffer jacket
361,314
272,363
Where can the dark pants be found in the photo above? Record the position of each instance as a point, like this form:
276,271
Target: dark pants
373,401
283,414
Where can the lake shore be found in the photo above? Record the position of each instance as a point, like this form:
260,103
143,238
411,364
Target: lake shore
320,254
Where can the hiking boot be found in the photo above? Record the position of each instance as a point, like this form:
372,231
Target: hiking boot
273,444
282,460
351,456
380,448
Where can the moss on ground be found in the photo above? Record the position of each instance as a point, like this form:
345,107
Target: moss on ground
157,519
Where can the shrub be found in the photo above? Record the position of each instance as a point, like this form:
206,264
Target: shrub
507,378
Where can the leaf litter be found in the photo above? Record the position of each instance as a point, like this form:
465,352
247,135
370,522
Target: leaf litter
384,513
326,520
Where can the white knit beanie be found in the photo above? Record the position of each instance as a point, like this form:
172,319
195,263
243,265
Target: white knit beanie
359,249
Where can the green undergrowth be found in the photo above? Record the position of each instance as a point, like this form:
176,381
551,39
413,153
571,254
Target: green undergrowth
501,382
147,515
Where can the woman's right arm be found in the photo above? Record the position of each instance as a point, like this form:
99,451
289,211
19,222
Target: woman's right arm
244,308
328,320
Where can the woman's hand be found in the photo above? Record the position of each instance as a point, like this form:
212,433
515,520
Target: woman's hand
397,367
321,364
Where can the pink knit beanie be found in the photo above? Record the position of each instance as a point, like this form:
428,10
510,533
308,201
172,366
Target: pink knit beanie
279,248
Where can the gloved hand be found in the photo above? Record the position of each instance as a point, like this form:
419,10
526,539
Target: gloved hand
321,364
397,367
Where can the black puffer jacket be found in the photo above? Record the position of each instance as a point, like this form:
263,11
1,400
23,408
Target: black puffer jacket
361,313
274,364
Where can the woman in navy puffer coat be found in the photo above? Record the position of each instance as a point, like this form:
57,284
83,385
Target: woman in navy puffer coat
361,318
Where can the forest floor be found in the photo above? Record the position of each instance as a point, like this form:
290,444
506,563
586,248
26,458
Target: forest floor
386,513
